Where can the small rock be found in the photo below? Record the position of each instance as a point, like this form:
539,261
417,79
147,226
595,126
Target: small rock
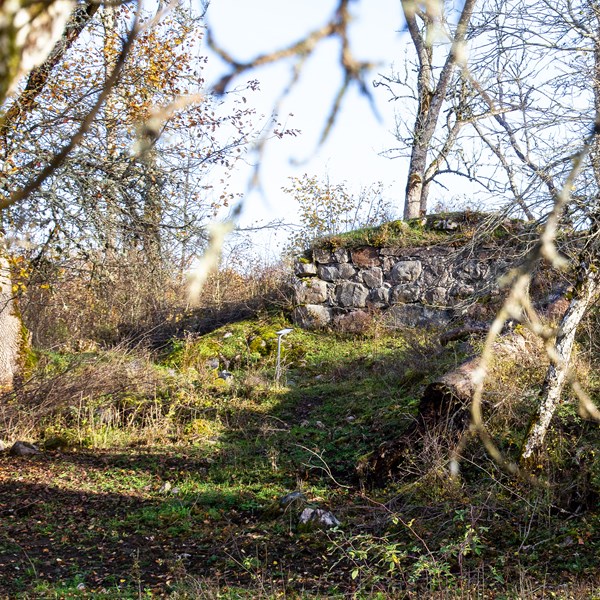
166,487
212,363
225,375
23,449
227,335
311,518
81,586
2,446
290,498
350,419
304,423
320,425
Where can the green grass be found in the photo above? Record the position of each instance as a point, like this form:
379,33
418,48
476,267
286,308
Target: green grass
423,231
184,502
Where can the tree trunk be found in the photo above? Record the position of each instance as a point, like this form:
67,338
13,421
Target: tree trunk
584,295
431,96
10,329
414,187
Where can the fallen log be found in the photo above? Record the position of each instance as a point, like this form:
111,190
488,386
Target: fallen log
445,405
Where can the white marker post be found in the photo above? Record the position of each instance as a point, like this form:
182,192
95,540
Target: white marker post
279,335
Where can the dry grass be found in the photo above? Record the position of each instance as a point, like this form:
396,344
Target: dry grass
118,389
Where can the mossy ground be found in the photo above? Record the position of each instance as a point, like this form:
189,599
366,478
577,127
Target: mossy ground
426,231
168,478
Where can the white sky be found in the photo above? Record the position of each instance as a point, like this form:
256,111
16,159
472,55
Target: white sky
246,29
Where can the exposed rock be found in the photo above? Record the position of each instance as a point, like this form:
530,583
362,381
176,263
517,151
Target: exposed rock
379,297
357,321
392,251
406,271
312,316
373,277
212,363
23,449
341,255
317,518
322,256
2,446
328,272
313,291
365,257
462,290
434,276
349,294
474,270
444,225
436,295
336,272
405,293
304,269
436,317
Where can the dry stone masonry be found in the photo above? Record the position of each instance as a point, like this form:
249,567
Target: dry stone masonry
411,286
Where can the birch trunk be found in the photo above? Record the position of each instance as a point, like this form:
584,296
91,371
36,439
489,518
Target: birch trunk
430,93
10,329
585,293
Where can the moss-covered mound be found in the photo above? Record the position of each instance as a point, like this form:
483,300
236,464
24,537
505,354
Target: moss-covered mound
427,230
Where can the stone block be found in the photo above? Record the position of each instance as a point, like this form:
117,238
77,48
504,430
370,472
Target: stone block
347,271
473,270
379,297
341,255
304,269
336,272
405,293
406,271
461,290
436,295
373,277
328,272
436,276
356,321
322,256
366,257
392,251
313,291
312,316
351,295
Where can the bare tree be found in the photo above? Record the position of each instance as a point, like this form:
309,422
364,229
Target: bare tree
540,50
432,34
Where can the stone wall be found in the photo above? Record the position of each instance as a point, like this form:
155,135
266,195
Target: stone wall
409,286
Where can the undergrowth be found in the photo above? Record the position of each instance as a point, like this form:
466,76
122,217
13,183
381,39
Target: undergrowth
161,474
